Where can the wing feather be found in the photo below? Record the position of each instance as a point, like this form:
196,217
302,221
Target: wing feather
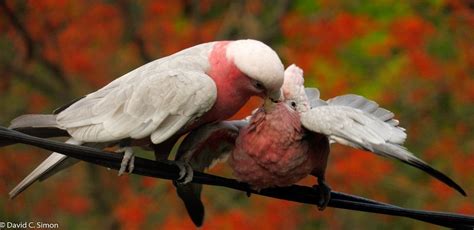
360,123
354,125
313,97
159,104
343,122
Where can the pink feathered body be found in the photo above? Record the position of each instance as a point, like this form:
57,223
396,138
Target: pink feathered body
273,150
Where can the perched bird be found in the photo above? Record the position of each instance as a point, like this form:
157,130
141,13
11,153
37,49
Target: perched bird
275,150
285,141
160,101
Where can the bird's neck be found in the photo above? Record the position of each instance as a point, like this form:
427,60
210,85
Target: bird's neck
233,86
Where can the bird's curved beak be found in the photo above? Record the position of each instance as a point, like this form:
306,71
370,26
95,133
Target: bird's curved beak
271,99
274,96
268,104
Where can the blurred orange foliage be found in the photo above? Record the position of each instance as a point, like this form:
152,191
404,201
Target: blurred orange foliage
415,58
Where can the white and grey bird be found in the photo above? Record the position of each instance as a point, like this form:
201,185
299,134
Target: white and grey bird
159,101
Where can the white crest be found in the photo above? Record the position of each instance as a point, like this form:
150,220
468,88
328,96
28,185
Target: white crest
293,88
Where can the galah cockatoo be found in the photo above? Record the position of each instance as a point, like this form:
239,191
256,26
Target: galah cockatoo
284,142
160,101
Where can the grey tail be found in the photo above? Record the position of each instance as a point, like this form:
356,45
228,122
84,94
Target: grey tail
48,167
400,153
437,174
38,125
35,121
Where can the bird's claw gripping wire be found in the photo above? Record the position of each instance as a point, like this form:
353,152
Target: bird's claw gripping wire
186,173
324,192
128,160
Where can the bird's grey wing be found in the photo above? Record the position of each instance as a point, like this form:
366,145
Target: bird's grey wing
313,97
350,126
157,103
362,124
202,148
368,106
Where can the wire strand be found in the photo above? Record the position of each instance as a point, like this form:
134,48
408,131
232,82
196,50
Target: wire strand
302,194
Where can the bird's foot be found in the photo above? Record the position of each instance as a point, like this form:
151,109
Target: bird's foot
127,160
186,173
324,192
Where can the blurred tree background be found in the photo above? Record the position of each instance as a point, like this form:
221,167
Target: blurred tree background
415,58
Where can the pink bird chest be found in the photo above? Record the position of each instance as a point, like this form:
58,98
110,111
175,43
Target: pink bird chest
272,150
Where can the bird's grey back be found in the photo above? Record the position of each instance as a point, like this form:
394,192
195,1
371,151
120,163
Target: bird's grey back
191,59
180,60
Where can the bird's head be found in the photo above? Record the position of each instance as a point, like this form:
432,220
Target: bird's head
293,89
260,64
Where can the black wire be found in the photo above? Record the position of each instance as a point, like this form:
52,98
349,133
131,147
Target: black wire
169,170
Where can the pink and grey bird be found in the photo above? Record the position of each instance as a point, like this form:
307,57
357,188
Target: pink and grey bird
275,150
160,101
285,141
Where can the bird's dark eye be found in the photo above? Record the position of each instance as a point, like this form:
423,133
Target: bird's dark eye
259,85
293,104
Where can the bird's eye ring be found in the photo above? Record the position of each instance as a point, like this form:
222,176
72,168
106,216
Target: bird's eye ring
293,104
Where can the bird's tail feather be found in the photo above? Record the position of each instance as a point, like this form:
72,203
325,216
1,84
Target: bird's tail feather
400,153
190,194
66,163
35,121
48,167
38,125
